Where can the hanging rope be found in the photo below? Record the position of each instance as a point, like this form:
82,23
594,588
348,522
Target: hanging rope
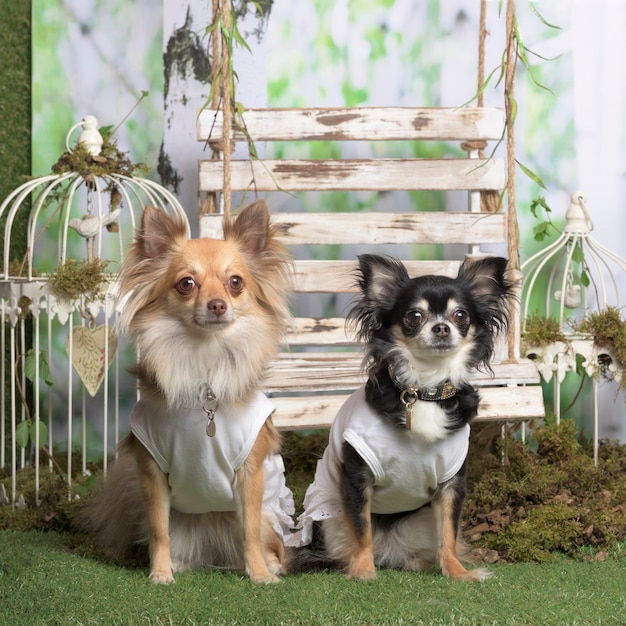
509,107
221,73
482,36
489,200
226,75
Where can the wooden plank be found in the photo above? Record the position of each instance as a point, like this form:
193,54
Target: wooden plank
355,175
341,371
358,123
314,331
381,228
318,276
503,404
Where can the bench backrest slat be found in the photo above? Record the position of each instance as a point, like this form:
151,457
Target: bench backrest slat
321,362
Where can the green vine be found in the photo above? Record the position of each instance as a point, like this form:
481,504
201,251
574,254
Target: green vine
230,36
516,51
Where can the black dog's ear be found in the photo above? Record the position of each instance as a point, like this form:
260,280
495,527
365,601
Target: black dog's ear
380,278
488,281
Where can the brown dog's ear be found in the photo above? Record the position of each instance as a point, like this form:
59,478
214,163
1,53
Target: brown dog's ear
251,228
159,233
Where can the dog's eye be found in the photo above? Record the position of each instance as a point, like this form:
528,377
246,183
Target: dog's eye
185,285
413,318
235,284
460,316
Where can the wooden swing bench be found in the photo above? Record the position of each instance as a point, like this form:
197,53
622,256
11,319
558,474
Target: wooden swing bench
320,365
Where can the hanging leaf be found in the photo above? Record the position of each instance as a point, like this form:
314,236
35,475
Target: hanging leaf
578,256
541,231
238,38
584,278
43,432
533,8
44,367
531,175
537,203
22,434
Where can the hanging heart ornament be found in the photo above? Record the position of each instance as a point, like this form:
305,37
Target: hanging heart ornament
90,347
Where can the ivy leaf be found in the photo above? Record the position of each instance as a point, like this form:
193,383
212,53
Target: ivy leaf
541,231
22,434
29,365
584,279
578,256
105,131
43,432
44,367
539,202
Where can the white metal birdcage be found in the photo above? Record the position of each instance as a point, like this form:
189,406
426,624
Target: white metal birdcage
62,365
568,281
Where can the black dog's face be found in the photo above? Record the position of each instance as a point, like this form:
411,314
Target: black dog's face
431,318
431,321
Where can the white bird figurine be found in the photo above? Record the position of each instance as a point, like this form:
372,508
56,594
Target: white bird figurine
572,298
90,136
88,226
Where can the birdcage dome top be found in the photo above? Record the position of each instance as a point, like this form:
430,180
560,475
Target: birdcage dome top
86,208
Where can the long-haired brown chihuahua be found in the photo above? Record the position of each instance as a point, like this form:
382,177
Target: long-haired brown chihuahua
199,478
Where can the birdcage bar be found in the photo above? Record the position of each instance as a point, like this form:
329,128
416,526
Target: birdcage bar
52,203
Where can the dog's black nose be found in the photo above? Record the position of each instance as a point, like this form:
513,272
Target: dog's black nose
441,330
217,307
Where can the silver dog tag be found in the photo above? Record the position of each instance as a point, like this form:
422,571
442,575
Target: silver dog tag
209,406
210,426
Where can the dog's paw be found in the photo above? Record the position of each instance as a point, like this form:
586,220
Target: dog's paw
264,579
161,578
472,575
478,575
363,575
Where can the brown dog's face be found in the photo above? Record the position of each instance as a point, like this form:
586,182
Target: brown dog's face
209,285
205,312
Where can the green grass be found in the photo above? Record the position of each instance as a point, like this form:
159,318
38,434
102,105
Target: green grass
43,583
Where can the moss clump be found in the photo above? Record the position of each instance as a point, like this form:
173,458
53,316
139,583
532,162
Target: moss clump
609,331
550,528
546,502
110,161
75,278
541,331
55,509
